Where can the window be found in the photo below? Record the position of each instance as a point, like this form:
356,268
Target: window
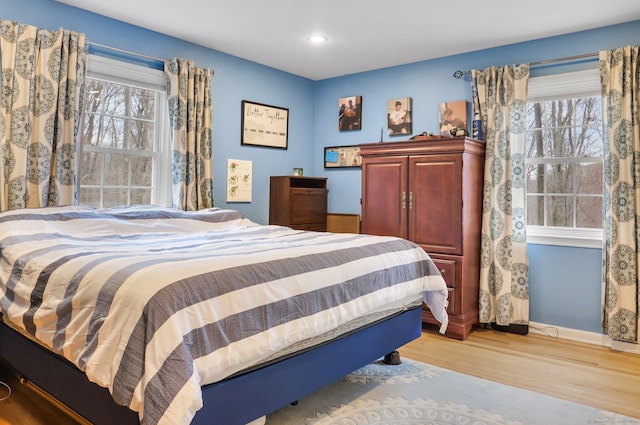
125,157
564,159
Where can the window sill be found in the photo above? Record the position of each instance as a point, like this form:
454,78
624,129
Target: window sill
579,238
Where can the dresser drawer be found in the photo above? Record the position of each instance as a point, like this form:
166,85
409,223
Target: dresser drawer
314,227
451,270
308,206
451,307
448,269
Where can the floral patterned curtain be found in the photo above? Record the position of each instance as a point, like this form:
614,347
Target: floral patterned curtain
43,77
500,97
189,94
620,78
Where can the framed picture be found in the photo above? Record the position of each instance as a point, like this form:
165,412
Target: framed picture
453,115
399,116
342,157
350,113
264,125
239,179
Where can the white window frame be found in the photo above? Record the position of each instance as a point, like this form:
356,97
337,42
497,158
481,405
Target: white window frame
585,83
118,71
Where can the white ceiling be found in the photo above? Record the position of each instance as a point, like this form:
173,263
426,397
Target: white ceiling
362,34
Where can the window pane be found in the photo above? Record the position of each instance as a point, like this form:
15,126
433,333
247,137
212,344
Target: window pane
114,197
565,128
588,111
589,178
90,197
559,178
91,168
534,144
116,170
141,170
93,97
589,212
143,103
112,136
91,130
115,99
140,196
535,178
587,141
141,135
560,211
535,210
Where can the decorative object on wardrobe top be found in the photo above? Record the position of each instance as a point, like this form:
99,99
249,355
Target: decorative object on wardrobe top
460,74
426,136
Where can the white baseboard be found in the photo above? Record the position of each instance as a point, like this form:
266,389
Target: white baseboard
625,346
582,336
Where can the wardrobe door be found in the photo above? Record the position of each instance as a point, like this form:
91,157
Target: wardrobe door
384,196
435,202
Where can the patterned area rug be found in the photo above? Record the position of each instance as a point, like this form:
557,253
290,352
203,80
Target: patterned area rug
414,393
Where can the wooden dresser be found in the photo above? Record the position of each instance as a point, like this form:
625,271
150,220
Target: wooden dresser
430,192
298,202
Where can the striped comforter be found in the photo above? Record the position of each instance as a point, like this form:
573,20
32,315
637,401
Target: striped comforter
153,302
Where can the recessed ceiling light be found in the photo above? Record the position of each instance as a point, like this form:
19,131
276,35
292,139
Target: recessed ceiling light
317,39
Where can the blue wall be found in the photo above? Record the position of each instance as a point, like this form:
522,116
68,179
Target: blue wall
235,79
564,282
565,287
429,83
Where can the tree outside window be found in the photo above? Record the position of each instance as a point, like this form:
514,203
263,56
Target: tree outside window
565,142
120,148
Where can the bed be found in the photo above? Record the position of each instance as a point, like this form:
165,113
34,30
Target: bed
198,317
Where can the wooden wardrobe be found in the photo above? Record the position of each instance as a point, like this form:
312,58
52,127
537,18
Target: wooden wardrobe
430,192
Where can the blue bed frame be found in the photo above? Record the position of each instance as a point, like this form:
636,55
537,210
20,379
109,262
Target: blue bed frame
234,401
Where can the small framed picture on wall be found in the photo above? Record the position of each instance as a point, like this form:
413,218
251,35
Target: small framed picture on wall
350,113
342,157
399,116
453,115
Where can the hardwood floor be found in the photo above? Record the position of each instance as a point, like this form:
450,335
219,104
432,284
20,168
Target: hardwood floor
27,407
583,373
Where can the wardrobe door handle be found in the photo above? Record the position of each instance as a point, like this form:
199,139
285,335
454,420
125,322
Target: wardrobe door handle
410,200
404,200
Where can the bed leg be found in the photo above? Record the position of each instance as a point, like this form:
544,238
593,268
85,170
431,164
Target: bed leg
392,358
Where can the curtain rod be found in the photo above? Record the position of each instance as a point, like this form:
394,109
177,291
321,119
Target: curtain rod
459,74
127,52
130,53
